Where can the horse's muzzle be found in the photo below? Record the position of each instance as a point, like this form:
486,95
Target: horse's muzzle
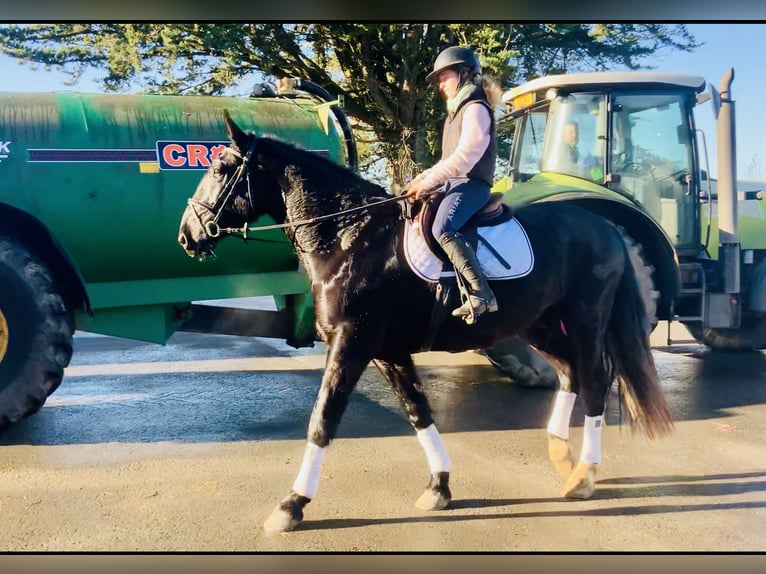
192,248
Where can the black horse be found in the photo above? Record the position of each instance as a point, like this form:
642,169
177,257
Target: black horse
581,304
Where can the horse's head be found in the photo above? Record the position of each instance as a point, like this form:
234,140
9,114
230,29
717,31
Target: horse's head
225,197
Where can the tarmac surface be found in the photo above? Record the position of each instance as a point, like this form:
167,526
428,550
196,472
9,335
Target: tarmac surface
188,447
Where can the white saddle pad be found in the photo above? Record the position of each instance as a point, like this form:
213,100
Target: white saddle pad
509,239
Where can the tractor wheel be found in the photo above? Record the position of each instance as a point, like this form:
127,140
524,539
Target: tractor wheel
645,278
751,335
35,333
522,363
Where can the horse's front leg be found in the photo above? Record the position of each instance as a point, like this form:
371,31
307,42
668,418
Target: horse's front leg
343,368
404,379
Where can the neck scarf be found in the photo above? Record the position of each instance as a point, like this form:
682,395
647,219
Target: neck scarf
456,100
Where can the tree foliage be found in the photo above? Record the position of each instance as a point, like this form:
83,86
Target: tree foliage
379,69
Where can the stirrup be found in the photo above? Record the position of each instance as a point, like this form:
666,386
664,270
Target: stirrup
474,306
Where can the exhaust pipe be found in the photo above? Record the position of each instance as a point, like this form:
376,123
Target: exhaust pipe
728,221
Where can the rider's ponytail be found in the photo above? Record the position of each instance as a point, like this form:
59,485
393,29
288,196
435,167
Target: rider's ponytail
492,91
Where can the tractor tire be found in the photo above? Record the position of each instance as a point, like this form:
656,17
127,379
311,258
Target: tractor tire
522,363
750,337
645,277
36,330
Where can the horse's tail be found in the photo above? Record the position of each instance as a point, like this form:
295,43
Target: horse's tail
628,344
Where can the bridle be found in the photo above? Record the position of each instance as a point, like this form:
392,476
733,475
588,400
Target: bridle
212,228
216,210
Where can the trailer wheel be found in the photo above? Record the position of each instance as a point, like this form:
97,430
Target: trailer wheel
751,336
36,332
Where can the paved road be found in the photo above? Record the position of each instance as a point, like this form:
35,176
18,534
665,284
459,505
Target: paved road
189,446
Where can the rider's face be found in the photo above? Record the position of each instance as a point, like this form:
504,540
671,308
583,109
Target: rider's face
448,82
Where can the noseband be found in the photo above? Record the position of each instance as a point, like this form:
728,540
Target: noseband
211,226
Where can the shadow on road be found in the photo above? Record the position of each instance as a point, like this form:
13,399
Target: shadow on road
518,507
448,516
234,406
726,380
263,405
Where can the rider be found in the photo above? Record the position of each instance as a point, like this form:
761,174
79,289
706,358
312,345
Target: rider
465,170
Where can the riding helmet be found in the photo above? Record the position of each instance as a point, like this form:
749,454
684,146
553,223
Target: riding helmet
453,56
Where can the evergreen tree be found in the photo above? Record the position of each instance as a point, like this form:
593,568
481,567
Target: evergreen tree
379,69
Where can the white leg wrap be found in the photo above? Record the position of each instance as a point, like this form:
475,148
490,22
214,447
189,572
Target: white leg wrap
431,441
558,424
308,478
591,440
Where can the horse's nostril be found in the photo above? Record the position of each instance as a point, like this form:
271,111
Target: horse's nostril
182,240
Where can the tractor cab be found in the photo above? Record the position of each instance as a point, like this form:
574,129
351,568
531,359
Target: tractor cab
629,135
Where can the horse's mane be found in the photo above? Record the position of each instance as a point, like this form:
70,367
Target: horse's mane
314,165
317,185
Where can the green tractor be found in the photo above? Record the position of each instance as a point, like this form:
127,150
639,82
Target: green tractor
625,145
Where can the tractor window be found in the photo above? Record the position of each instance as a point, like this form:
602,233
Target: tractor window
651,154
574,144
530,131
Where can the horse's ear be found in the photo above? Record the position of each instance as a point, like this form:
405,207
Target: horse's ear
233,131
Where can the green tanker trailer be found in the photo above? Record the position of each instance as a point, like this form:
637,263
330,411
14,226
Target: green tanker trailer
91,189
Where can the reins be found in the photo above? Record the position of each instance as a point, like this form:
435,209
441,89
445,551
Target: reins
245,229
213,230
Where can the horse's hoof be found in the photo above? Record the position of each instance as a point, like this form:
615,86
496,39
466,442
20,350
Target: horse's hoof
280,520
431,500
581,483
560,455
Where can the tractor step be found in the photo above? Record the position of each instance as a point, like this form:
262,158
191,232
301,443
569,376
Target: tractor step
693,287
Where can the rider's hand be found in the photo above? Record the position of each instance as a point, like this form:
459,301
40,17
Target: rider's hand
416,188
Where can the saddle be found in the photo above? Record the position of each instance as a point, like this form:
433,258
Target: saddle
501,244
494,212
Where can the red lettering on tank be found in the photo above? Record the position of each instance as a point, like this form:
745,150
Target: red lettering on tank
216,151
197,155
173,155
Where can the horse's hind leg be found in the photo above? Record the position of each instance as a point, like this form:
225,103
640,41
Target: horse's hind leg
559,452
404,379
581,482
593,377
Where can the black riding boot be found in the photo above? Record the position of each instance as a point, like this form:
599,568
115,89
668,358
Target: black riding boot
481,298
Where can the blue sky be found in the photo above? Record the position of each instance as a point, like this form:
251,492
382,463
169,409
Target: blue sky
739,45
